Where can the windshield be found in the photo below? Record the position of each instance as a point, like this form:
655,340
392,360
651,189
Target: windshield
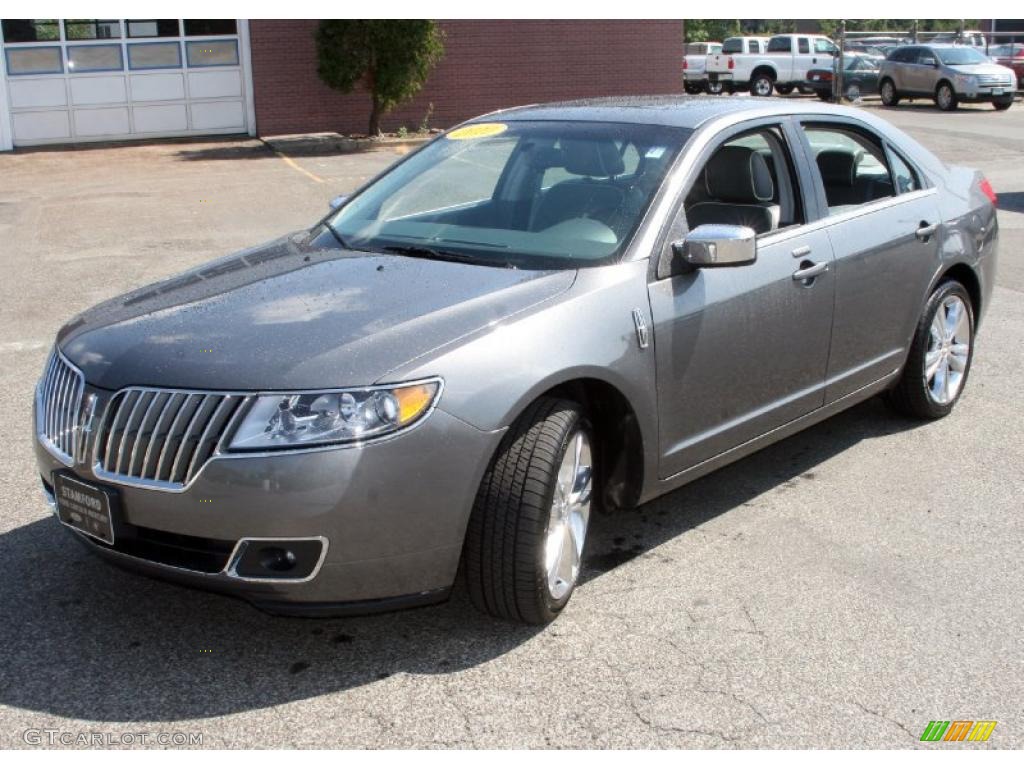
957,56
536,195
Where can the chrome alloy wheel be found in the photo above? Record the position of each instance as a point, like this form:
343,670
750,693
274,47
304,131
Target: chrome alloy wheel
949,349
569,516
762,86
944,97
888,92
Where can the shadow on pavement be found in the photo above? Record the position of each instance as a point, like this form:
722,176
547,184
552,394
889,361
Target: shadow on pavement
88,641
1011,201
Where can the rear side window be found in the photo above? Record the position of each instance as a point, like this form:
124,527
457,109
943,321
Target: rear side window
780,45
853,166
733,45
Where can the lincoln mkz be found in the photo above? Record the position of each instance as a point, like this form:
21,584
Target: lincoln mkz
544,312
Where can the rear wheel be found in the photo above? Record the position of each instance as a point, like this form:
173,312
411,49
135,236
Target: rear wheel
714,88
529,522
852,91
692,88
945,97
940,355
762,84
785,90
887,90
1003,103
825,95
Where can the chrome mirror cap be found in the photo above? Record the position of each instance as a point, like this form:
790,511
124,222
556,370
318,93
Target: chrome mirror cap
718,245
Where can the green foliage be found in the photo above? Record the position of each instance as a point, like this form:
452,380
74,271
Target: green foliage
390,57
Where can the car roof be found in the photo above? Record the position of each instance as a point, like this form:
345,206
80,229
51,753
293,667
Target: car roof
672,110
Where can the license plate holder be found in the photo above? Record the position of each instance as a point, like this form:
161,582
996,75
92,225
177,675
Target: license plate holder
85,507
997,91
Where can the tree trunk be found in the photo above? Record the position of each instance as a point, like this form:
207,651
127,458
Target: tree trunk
375,115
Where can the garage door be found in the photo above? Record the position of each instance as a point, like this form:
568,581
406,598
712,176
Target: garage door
100,80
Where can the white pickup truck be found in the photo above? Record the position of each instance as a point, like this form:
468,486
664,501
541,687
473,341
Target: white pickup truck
694,60
781,65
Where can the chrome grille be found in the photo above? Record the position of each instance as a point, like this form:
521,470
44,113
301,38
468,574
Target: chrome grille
58,401
161,438
994,80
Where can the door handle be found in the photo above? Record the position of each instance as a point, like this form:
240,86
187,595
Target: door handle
925,231
803,250
810,270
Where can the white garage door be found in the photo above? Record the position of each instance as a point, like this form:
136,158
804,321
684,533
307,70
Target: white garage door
100,80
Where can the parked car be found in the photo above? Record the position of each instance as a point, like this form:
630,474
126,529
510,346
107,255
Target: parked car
695,77
1010,55
542,313
719,65
949,74
782,67
973,38
860,76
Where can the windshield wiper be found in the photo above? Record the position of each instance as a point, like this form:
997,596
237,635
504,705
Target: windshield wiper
337,236
426,252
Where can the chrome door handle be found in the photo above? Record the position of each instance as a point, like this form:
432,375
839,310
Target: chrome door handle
811,271
803,250
926,230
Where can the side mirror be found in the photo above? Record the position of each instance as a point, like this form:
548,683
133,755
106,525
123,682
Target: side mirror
717,245
338,201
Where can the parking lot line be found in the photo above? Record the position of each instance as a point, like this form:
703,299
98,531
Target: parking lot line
291,163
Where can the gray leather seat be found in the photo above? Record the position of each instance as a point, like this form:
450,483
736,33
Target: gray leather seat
740,189
839,174
595,196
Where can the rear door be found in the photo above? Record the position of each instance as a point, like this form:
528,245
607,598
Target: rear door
882,223
742,350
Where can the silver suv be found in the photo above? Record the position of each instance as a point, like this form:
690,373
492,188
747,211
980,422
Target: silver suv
947,73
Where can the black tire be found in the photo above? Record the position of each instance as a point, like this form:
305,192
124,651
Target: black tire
785,90
762,84
911,395
693,88
887,90
852,90
715,89
945,97
503,555
824,95
1002,103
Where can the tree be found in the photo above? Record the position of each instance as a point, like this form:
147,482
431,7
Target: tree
390,57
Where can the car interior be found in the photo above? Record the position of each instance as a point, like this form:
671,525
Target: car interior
853,167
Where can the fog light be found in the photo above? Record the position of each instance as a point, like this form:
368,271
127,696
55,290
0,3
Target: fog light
277,559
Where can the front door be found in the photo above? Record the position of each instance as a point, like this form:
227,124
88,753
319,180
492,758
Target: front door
742,350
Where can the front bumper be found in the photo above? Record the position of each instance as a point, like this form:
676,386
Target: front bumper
392,516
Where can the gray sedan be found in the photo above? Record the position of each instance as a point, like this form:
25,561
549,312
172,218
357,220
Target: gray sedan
949,74
543,313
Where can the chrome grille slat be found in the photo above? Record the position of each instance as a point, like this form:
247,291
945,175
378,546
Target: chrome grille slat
58,402
162,438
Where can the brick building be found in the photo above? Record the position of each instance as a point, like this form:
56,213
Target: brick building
98,80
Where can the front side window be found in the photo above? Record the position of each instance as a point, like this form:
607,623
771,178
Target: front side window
852,164
780,45
824,46
748,181
537,195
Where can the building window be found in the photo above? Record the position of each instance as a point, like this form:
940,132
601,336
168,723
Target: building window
94,58
44,60
154,56
30,30
91,29
207,27
212,53
152,27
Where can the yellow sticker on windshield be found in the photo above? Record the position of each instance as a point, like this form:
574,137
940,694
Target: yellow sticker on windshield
477,131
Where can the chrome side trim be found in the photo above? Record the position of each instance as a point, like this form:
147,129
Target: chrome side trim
236,555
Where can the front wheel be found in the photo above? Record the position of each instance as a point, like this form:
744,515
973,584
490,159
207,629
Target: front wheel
762,84
940,355
825,95
1003,103
945,97
526,532
887,91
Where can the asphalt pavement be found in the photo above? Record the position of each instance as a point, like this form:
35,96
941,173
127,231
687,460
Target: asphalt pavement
840,589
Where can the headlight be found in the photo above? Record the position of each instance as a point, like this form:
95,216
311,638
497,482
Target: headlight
338,416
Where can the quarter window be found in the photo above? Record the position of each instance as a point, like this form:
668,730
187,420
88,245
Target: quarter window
755,46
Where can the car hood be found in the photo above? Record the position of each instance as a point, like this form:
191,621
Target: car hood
980,69
290,315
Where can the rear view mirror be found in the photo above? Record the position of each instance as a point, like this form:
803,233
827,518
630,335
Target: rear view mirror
338,201
718,245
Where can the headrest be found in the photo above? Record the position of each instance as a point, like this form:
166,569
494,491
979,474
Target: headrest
839,167
585,157
739,175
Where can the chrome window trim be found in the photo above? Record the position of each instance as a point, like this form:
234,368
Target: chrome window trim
221,450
